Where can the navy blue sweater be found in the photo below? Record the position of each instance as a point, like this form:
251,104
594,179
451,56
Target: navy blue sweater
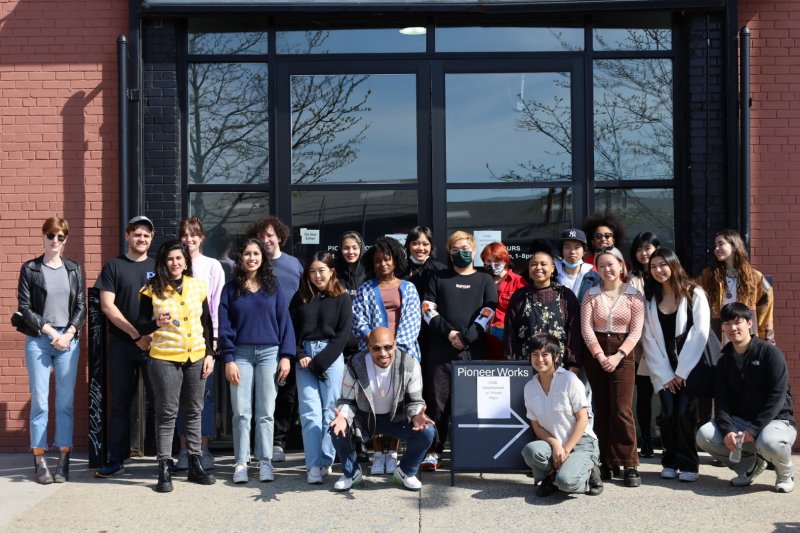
254,318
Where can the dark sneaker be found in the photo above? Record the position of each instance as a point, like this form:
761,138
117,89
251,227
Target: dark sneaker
546,487
595,483
110,470
632,478
747,478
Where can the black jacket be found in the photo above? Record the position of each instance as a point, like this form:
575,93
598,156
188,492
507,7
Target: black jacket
758,393
32,292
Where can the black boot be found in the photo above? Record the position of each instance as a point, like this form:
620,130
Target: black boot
62,470
43,476
164,475
196,472
647,448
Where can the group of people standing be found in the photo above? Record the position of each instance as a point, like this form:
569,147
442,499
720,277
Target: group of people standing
362,345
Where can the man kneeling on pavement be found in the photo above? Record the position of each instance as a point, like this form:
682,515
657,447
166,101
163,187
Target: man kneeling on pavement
753,405
382,395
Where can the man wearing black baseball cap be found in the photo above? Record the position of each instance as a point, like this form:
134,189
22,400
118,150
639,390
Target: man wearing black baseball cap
573,273
119,284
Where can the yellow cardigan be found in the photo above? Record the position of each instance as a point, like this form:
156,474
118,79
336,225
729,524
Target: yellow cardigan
184,341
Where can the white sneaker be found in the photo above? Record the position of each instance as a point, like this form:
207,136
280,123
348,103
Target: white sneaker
314,476
278,455
669,473
378,463
346,483
409,482
325,471
265,471
183,460
689,476
391,462
785,485
240,473
207,460
743,480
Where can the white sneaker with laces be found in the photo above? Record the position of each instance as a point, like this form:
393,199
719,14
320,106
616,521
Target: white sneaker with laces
391,461
669,473
265,471
689,477
325,471
314,476
784,485
409,482
240,473
346,483
278,455
378,463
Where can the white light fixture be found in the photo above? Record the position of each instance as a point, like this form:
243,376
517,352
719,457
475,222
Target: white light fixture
414,30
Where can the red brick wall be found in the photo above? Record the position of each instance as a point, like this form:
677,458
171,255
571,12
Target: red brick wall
775,165
58,156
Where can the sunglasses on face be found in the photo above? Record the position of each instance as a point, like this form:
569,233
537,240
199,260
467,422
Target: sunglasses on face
51,236
378,348
603,235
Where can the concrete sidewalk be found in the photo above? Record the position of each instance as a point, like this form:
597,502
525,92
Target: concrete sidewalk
488,502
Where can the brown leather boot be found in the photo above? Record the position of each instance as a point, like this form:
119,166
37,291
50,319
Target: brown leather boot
40,466
62,469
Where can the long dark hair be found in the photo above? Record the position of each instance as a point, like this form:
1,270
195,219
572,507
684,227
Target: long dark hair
162,280
308,291
679,280
387,246
640,241
264,274
414,234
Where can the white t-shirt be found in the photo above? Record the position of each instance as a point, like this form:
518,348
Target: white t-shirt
380,380
555,411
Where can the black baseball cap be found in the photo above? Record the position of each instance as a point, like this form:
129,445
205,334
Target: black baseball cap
139,220
573,234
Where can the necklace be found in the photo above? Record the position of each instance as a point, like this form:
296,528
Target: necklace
385,387
730,284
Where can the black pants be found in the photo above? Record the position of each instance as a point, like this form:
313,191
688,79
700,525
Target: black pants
285,410
125,363
678,423
436,381
644,404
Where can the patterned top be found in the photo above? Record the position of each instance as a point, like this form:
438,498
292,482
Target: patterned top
626,315
369,313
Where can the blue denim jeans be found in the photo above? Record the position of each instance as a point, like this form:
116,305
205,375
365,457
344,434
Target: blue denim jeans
257,367
317,401
39,357
417,444
573,476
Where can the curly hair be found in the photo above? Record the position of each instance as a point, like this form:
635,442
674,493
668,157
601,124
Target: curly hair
610,220
748,277
260,226
162,278
264,274
390,247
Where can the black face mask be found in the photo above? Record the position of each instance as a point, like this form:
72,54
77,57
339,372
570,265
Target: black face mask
462,258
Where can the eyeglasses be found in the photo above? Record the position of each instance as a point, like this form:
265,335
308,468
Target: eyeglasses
51,236
603,235
377,348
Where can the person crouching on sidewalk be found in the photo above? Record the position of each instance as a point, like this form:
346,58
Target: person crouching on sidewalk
382,395
567,455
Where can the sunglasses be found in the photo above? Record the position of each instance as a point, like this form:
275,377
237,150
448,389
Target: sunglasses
377,348
51,236
603,235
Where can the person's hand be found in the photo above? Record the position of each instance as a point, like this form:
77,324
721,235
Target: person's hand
63,341
747,437
675,384
232,373
304,362
144,342
611,362
455,340
163,320
338,424
559,455
420,420
208,366
284,367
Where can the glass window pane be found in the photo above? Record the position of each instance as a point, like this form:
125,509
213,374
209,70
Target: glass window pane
478,39
521,215
225,217
227,126
354,128
508,127
633,109
361,41
253,42
632,39
640,210
371,213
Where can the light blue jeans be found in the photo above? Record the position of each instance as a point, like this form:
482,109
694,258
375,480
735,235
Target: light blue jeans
258,365
317,401
39,357
573,476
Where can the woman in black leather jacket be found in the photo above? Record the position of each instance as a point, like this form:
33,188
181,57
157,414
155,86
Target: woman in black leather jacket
52,305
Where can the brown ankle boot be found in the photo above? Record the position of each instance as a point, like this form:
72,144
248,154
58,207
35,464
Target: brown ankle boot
40,466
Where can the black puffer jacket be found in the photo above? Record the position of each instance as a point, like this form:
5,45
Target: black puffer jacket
32,292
